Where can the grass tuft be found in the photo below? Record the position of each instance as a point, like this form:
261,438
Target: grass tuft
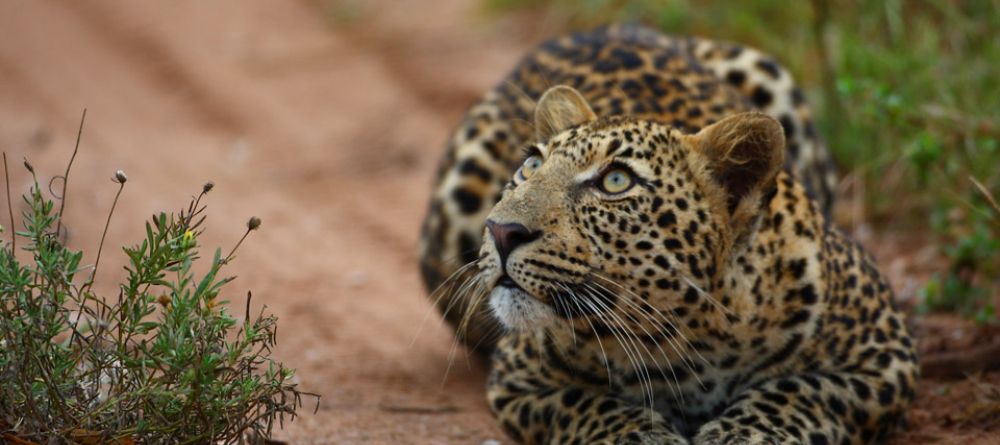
162,361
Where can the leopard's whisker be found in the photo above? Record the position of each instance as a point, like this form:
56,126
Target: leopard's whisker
631,356
490,332
451,289
642,371
638,365
451,359
678,328
474,294
604,353
461,297
649,335
677,392
471,283
685,359
667,319
456,338
682,352
553,338
556,298
438,294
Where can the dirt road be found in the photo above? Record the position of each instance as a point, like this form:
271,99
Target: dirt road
323,118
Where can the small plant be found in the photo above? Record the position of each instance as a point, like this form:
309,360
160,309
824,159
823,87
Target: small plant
970,283
160,362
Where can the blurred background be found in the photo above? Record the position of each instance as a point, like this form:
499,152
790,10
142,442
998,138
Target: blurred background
326,118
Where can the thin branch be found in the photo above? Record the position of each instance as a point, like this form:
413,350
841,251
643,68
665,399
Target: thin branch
252,224
100,247
986,194
237,246
62,198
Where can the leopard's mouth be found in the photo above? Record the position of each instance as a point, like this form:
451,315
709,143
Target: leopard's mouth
507,281
568,300
515,307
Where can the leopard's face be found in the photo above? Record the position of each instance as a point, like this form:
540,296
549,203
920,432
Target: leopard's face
616,221
608,220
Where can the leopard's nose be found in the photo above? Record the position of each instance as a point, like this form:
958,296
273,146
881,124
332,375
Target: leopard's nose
509,236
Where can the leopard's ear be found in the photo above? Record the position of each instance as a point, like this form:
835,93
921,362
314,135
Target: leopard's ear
743,154
561,107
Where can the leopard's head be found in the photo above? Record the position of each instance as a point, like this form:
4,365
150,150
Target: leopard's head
613,220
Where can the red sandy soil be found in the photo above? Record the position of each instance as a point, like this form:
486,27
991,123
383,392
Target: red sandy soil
326,120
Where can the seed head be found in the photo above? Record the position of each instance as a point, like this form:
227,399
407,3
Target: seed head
254,223
163,300
28,166
208,187
120,177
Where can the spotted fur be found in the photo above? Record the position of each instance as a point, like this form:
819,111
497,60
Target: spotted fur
709,302
621,70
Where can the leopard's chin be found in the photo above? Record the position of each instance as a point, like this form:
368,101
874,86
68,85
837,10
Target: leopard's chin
518,310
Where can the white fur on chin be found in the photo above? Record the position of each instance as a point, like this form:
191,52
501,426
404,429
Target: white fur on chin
517,310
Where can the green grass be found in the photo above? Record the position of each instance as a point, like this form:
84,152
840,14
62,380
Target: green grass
907,96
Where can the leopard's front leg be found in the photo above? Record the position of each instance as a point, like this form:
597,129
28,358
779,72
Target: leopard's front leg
538,404
816,408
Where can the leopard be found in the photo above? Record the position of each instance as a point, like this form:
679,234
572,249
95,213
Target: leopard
625,69
655,263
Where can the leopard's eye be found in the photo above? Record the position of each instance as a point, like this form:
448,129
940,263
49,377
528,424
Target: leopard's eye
529,167
617,180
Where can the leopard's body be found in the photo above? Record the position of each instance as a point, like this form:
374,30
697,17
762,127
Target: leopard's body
620,70
658,276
